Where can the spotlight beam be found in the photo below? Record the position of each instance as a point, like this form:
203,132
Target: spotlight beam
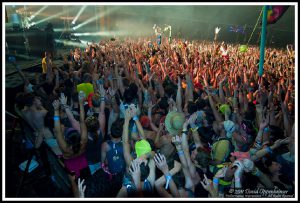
38,12
53,16
78,14
94,18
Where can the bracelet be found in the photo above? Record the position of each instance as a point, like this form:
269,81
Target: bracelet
269,150
135,118
266,129
56,118
180,153
168,178
102,99
237,179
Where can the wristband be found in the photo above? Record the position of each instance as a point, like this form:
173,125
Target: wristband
185,132
237,179
168,178
266,129
135,118
102,99
56,118
180,153
269,150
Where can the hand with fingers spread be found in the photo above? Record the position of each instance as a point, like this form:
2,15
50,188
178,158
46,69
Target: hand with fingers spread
134,169
63,99
161,163
280,142
177,140
101,91
55,105
217,30
111,92
81,188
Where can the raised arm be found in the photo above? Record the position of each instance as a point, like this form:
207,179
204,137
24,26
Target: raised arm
178,96
57,129
63,101
83,129
101,117
177,140
161,164
126,146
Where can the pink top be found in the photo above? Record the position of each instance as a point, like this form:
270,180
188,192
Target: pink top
76,164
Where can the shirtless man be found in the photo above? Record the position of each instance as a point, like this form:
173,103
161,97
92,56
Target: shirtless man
34,113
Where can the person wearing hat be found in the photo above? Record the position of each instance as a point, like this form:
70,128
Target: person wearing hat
140,174
174,122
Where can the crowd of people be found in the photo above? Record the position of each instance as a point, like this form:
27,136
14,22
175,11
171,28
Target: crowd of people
177,118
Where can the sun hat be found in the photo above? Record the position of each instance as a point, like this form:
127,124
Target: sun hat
142,147
229,128
174,122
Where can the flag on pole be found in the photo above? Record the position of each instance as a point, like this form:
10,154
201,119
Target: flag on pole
275,13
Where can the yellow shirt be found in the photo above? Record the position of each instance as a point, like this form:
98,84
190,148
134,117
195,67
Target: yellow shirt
44,65
87,88
220,150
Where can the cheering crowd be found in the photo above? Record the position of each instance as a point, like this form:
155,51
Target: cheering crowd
170,119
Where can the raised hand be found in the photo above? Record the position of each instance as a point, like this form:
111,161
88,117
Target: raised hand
101,91
280,142
134,169
63,99
217,30
161,163
81,96
55,105
177,140
111,92
81,188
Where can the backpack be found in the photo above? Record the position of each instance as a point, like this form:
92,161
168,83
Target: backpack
115,158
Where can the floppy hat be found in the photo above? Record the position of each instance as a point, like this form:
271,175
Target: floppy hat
174,122
229,128
142,147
